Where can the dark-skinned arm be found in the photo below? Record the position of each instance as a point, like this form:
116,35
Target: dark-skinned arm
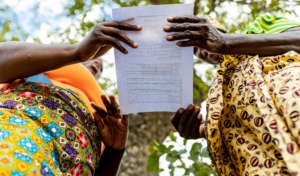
20,59
113,131
262,44
110,162
203,35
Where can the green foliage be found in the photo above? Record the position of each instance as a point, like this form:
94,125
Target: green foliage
197,154
156,151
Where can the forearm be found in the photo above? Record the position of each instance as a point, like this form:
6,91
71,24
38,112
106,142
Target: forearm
110,162
261,44
21,60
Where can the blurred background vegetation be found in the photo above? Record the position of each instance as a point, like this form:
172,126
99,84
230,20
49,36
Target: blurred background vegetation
25,20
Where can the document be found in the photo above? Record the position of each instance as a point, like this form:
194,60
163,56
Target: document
158,75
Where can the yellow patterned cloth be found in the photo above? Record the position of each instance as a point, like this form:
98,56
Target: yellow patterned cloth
46,130
252,124
216,23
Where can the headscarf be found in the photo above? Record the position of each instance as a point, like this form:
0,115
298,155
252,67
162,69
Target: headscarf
216,23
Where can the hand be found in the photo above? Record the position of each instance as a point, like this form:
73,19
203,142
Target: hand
200,32
189,123
113,129
103,36
211,58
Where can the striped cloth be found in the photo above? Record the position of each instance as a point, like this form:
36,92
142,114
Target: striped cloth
269,24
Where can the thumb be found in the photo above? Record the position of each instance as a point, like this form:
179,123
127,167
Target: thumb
102,51
99,110
98,121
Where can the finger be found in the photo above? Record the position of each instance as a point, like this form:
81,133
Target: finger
187,18
202,127
117,33
195,131
193,42
108,105
176,117
190,123
182,27
112,41
125,118
99,110
115,106
185,117
102,51
185,35
129,19
123,26
98,121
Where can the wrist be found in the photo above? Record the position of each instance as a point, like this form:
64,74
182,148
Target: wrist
227,44
77,52
113,150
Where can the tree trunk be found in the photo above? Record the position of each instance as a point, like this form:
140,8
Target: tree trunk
144,127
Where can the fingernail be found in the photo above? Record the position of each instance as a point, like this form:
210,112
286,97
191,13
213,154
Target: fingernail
140,27
169,37
190,107
178,43
126,52
166,28
135,45
170,18
199,116
180,111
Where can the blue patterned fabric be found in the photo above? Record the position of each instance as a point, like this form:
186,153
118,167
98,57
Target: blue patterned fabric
46,170
17,121
23,157
17,173
47,138
33,112
55,158
4,134
53,130
28,145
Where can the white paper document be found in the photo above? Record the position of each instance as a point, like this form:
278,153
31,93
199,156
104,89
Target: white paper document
158,75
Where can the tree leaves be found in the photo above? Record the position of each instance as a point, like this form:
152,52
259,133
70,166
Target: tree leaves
153,161
172,137
184,141
156,151
175,155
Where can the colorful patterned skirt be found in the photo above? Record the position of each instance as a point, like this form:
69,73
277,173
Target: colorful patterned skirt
252,125
46,130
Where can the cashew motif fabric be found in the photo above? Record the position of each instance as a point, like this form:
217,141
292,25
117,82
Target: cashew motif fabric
253,125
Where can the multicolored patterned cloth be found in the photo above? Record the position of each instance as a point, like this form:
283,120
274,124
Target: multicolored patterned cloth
252,124
46,130
269,24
